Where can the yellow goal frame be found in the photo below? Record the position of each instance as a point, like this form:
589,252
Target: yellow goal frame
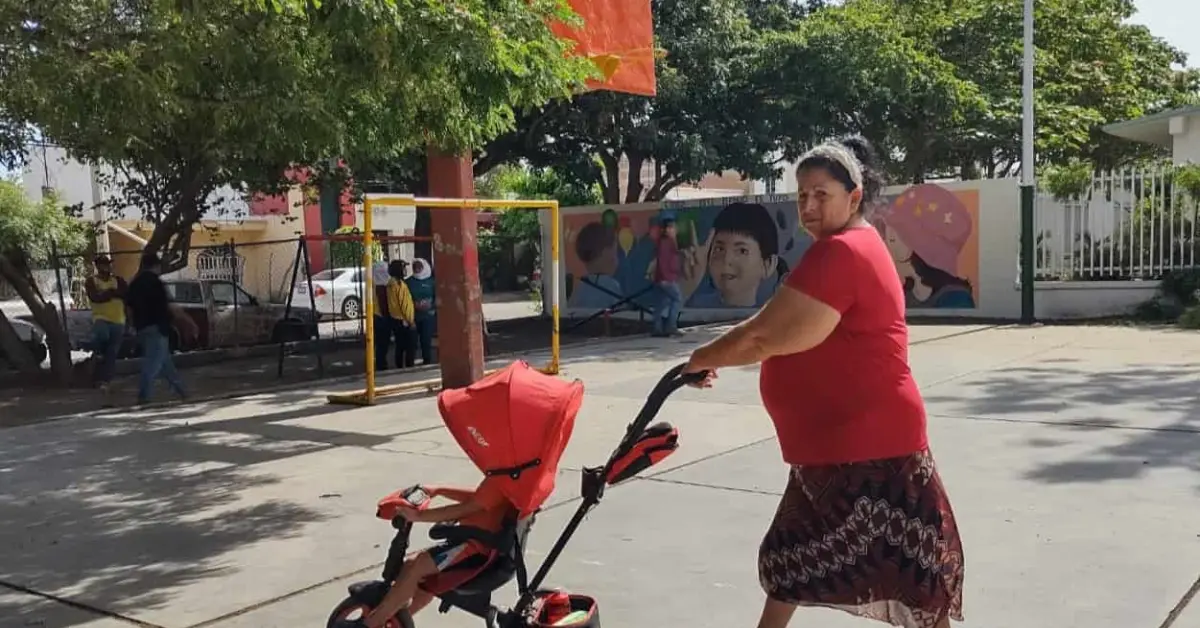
371,392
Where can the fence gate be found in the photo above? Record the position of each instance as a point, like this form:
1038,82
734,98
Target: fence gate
220,264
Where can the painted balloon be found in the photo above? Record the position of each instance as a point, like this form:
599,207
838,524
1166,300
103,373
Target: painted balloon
684,231
625,237
609,219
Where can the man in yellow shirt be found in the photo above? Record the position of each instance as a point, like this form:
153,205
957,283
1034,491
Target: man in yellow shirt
402,313
107,294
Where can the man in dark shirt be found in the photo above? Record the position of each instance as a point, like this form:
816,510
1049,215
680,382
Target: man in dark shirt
667,266
153,318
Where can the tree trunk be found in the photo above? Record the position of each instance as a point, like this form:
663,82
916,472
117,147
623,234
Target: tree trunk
45,316
633,178
612,178
172,237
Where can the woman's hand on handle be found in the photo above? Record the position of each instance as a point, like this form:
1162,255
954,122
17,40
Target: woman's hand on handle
696,367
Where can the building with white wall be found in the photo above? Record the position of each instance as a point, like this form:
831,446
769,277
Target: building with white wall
1176,129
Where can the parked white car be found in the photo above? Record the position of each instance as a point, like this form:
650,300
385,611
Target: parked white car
32,337
336,292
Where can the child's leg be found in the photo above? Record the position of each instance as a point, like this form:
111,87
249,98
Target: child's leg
402,592
420,600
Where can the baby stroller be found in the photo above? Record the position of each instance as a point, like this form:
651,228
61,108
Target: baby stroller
516,423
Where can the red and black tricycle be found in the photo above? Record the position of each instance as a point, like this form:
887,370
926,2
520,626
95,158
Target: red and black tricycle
515,424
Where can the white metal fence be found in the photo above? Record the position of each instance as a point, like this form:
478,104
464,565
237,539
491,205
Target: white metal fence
1130,224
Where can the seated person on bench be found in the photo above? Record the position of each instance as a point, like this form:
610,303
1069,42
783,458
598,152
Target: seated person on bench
485,508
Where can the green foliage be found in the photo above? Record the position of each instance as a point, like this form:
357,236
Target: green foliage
707,116
1190,319
1093,67
192,96
1067,182
519,182
1187,178
1182,286
27,229
851,69
343,253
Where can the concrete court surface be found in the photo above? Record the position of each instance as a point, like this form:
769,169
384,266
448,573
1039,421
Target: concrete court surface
1070,454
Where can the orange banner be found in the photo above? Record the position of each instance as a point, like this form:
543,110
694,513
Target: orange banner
618,36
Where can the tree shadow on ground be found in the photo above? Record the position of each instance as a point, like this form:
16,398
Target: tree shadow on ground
118,513
1153,410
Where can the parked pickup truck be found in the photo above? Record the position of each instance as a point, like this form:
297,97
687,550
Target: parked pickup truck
225,314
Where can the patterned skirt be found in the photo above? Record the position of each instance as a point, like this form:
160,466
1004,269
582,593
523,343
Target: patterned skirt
876,539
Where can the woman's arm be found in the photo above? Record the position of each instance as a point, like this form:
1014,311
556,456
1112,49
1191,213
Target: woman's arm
790,322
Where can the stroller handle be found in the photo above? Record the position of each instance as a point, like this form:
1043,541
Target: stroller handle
670,382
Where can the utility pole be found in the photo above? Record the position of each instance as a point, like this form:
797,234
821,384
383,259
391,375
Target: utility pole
1028,180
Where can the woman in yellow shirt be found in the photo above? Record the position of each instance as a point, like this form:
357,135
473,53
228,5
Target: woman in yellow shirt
402,313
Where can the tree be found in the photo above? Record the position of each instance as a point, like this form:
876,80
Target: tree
700,121
1093,67
522,182
846,69
28,233
183,98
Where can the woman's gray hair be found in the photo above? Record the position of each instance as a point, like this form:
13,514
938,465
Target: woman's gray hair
836,153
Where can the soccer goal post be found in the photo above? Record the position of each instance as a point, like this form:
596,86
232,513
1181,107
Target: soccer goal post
376,202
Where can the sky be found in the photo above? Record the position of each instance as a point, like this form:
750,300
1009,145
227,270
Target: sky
1173,20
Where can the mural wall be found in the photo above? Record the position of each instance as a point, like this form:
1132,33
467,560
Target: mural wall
933,236
738,251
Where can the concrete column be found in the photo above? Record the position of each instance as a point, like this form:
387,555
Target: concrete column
456,272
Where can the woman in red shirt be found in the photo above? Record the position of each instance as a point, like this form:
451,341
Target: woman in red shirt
864,525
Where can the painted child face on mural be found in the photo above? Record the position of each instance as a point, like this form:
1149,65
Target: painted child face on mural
743,249
737,268
901,252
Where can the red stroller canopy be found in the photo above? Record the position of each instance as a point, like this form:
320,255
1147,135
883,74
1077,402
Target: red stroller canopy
515,423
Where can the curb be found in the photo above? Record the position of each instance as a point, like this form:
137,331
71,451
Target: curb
345,379
325,381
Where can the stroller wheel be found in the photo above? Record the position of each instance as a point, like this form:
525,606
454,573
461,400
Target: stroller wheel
350,611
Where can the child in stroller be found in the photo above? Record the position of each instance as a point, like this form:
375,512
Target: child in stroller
514,425
485,508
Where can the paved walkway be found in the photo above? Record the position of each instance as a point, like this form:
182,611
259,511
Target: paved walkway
1070,454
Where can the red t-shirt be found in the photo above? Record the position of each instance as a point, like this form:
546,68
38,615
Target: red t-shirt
852,397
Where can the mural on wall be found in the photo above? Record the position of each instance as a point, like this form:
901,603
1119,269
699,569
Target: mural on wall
736,252
933,236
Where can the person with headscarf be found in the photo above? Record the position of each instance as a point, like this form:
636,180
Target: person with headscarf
420,286
383,319
403,314
865,524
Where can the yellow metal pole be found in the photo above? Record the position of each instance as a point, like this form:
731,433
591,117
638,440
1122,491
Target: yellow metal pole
555,234
369,297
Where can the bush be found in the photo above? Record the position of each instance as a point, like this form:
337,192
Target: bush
1181,285
1190,318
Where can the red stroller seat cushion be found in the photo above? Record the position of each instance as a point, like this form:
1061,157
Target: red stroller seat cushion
466,569
657,442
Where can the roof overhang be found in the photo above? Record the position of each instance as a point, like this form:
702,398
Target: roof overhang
1153,129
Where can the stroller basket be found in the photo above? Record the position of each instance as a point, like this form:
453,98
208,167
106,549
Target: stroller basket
584,613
